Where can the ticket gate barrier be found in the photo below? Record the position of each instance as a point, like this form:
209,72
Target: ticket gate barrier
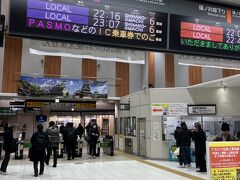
79,147
60,149
20,149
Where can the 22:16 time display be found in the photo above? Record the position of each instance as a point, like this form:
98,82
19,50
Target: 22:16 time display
100,19
127,22
232,36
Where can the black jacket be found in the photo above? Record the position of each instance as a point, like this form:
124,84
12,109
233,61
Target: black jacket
93,135
80,131
199,138
8,140
184,137
39,143
71,136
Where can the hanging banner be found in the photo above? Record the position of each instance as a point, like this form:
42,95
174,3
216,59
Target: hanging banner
97,52
223,160
39,86
169,109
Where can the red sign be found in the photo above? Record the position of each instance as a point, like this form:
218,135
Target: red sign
201,36
225,157
201,28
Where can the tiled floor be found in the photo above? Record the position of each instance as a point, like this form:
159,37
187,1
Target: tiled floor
174,166
105,167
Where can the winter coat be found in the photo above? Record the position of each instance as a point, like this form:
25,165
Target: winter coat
199,138
93,135
8,140
71,136
53,137
80,131
39,143
184,137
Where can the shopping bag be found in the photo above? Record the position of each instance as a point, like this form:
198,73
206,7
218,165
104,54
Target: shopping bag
176,152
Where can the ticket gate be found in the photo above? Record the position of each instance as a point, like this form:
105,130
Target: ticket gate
19,148
79,147
60,149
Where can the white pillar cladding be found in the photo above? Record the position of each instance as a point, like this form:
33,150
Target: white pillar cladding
144,74
181,74
210,74
135,78
31,63
71,68
1,66
106,71
159,70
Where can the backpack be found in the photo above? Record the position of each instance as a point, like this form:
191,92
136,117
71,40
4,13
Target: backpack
40,142
70,134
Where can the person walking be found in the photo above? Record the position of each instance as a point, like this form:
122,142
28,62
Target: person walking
53,138
71,140
39,143
93,134
199,138
8,146
184,142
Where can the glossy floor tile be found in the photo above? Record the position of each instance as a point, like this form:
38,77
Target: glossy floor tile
102,168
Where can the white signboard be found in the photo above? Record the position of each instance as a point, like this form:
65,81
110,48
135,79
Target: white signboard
202,110
156,135
97,52
169,109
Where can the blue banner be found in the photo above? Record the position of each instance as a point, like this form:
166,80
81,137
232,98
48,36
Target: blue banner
40,86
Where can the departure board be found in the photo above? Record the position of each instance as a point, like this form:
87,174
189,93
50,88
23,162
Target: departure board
201,36
92,21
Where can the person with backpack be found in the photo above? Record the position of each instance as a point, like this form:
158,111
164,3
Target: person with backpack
53,138
8,146
39,143
93,134
71,140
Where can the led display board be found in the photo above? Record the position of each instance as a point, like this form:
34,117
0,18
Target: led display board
201,36
134,24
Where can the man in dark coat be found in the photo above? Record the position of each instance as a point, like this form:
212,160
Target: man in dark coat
184,142
93,134
71,140
199,138
180,153
39,143
8,147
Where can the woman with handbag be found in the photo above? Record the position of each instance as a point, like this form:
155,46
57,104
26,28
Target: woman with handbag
9,147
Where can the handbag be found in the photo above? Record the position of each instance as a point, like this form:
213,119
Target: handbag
13,147
177,152
30,154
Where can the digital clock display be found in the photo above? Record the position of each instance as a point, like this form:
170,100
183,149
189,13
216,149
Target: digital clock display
93,21
201,36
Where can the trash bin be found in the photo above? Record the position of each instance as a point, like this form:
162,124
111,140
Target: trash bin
108,145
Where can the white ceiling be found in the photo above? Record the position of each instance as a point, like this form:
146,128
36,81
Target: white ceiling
233,81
